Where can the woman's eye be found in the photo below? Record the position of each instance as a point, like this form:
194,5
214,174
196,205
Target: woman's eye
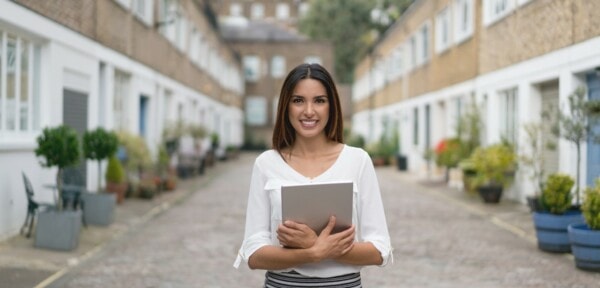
321,100
296,100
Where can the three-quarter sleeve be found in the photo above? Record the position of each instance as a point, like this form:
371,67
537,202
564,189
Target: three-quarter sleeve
257,233
372,222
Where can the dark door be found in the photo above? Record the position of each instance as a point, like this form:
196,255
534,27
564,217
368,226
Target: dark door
75,115
143,115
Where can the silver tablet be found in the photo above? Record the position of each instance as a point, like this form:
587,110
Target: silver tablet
312,204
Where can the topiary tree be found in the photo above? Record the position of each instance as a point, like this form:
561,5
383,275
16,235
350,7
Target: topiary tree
59,147
98,145
556,196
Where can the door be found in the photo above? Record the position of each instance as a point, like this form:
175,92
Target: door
593,150
549,93
143,115
75,115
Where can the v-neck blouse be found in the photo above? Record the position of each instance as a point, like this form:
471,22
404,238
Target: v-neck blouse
263,214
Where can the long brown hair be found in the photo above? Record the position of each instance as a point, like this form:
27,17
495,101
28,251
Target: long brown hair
284,134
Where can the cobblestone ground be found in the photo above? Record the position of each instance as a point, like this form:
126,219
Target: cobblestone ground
437,244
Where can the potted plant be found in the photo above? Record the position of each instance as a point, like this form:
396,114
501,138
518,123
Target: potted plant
493,164
448,154
468,175
115,178
98,145
59,229
585,238
551,224
574,125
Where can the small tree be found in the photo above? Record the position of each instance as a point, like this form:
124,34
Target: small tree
574,125
59,147
98,145
534,158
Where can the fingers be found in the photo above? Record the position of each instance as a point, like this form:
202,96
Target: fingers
329,227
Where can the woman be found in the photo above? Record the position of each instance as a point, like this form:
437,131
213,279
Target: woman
308,148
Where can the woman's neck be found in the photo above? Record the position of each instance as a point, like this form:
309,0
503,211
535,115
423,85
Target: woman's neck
310,148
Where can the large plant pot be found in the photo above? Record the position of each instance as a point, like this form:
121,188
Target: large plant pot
468,179
551,230
585,244
490,193
58,230
118,188
98,208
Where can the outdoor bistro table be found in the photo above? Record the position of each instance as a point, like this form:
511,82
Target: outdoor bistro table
71,195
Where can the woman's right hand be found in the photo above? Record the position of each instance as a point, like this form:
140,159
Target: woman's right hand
331,246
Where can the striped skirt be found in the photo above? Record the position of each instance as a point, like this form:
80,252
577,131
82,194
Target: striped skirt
293,279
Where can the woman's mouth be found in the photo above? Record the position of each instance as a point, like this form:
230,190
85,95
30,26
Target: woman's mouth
308,123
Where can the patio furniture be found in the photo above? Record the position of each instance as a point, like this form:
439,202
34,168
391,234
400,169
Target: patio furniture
33,207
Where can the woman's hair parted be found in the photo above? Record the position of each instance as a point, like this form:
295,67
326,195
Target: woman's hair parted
284,134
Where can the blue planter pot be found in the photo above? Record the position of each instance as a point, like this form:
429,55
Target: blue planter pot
551,230
585,244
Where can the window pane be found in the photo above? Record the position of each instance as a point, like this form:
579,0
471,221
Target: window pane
256,111
11,82
36,86
24,99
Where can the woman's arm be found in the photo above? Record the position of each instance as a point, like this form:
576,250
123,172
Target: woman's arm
362,254
326,246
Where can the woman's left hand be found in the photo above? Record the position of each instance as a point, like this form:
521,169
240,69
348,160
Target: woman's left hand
295,235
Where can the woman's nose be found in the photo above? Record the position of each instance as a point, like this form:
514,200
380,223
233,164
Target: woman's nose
309,109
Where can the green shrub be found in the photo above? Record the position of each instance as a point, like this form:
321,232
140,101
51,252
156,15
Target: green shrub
59,147
492,164
99,144
556,196
114,171
591,206
448,153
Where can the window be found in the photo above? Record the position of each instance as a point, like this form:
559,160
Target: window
313,59
509,115
121,92
282,11
19,84
495,10
442,30
278,66
463,22
397,62
236,10
143,10
172,23
258,11
251,68
303,9
424,43
413,52
416,126
275,103
256,110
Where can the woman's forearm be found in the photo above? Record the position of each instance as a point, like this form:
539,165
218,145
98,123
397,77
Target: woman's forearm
278,258
362,254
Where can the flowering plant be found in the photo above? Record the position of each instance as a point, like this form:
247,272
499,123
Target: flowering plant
448,152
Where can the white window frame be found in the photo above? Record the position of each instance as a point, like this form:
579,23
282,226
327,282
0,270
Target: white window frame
424,45
252,67
124,3
256,110
257,11
236,9
509,114
282,11
121,92
24,115
495,10
312,59
278,66
413,52
463,20
303,9
143,10
443,25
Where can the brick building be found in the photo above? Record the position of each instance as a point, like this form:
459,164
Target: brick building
514,58
127,65
265,36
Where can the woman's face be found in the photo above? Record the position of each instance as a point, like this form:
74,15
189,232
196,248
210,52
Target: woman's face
309,108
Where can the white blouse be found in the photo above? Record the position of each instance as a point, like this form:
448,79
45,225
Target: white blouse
263,214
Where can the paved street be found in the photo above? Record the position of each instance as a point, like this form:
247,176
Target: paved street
442,238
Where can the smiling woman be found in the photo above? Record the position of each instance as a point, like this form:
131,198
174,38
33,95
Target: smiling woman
308,148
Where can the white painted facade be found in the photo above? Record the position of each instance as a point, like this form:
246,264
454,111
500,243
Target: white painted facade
70,60
568,65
